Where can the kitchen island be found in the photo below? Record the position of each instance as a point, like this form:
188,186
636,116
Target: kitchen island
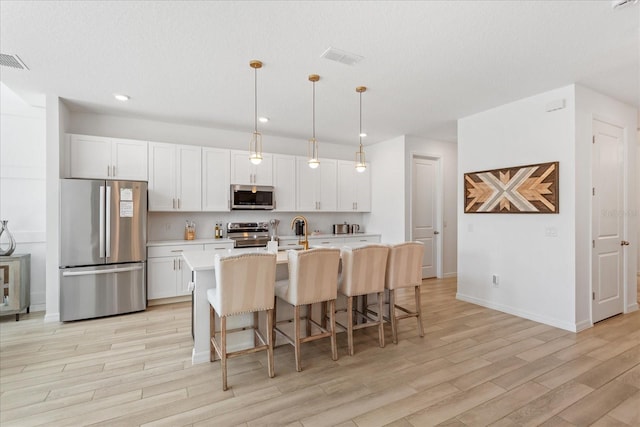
203,278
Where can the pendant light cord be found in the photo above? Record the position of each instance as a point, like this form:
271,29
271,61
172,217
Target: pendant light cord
314,110
360,134
255,99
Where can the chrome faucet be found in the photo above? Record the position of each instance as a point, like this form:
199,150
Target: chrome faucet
305,242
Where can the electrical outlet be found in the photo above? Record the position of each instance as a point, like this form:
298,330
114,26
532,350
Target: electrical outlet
496,281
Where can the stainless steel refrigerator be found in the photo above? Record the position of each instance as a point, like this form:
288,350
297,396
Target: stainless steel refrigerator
103,235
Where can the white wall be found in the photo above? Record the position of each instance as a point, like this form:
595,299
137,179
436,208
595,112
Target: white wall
388,194
591,105
448,153
22,184
537,276
149,130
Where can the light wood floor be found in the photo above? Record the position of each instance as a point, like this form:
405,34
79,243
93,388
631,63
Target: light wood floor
474,367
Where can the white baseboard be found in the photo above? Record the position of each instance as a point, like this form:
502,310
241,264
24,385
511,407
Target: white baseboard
585,324
448,275
201,357
567,326
632,307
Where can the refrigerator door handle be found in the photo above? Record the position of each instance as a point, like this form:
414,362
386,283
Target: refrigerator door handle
108,223
101,233
94,272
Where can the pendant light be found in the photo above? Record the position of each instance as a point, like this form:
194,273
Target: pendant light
255,146
312,149
361,163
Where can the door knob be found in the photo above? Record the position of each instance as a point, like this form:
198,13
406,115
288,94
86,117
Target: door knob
436,232
624,243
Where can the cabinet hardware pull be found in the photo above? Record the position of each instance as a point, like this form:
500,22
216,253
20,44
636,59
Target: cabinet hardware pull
178,203
173,203
114,170
108,171
176,250
174,263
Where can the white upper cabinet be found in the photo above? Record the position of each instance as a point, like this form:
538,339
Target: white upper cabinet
354,188
246,173
215,179
316,187
106,158
175,177
284,181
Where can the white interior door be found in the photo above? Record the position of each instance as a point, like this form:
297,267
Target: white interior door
608,221
424,211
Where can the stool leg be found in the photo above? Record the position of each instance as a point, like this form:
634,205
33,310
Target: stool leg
419,311
296,326
380,320
223,350
308,322
212,334
332,317
323,314
350,324
256,323
392,315
270,342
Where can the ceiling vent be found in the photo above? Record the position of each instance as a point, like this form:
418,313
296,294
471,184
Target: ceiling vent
615,4
12,61
341,56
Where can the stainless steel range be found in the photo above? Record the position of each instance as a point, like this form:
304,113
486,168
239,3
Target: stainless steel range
248,234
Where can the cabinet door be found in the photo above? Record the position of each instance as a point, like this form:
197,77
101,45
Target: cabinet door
129,159
284,181
241,168
89,157
362,187
161,277
215,179
189,178
263,173
327,200
346,186
246,173
308,179
183,277
162,177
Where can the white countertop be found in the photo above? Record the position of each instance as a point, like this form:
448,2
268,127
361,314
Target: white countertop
203,260
187,242
327,235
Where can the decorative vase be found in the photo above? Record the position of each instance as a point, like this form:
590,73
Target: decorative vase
4,231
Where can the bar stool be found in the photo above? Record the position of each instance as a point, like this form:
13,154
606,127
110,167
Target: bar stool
363,273
244,284
313,278
404,270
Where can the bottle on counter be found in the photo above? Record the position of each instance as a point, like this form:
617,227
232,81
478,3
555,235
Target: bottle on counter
217,231
190,230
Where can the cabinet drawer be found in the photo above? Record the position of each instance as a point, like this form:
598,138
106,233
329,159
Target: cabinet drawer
327,242
171,250
218,246
362,239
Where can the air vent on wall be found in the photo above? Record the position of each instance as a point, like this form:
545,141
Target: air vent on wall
341,56
12,61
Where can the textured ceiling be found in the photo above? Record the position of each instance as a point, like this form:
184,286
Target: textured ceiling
426,63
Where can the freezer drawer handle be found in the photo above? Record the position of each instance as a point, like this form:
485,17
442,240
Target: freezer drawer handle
94,272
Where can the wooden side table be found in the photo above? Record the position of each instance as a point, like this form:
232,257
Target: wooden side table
15,278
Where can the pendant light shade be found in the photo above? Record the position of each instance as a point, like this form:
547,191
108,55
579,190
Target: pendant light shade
312,148
361,162
255,146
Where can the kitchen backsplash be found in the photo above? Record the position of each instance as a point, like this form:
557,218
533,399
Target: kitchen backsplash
170,225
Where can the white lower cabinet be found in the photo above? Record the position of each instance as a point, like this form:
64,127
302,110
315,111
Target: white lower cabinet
167,273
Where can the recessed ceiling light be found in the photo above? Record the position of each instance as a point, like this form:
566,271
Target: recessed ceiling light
363,134
263,119
121,97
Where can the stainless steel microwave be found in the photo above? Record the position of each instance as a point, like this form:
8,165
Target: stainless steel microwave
252,197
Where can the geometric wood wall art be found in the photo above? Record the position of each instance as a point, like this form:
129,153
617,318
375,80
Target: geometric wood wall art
519,189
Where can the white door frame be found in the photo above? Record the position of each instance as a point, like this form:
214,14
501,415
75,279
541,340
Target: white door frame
439,201
626,207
